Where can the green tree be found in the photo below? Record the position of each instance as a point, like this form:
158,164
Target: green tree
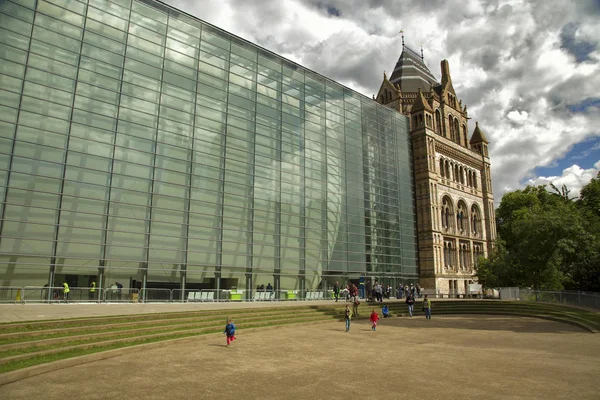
541,234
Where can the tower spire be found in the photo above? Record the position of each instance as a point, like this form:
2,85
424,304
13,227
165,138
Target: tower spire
402,33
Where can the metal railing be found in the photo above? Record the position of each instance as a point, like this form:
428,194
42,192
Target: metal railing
573,298
45,294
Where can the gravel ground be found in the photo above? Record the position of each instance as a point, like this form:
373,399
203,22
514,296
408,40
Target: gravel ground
448,357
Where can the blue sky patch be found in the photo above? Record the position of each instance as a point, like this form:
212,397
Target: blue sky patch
585,104
584,154
580,49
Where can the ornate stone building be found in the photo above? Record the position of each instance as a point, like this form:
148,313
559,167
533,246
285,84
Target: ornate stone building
453,187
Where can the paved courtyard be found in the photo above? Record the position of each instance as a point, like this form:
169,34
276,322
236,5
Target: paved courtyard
449,357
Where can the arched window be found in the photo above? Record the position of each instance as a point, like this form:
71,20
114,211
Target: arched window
462,176
438,122
447,212
475,221
442,172
447,170
457,131
451,126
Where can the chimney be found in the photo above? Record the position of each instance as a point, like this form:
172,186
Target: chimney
445,72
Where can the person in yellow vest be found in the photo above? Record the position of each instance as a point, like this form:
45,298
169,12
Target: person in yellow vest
427,307
66,291
92,293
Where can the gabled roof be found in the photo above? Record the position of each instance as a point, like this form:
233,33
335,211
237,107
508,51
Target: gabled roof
385,84
421,104
478,135
411,73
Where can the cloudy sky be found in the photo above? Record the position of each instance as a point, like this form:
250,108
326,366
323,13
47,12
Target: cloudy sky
528,70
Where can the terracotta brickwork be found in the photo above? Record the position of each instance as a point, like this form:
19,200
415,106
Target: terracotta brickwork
453,187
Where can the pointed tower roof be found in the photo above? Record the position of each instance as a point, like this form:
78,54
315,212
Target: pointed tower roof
446,79
421,104
478,135
411,73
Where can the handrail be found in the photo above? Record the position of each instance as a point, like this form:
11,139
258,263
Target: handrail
55,294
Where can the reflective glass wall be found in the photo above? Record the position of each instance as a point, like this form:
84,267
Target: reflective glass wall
144,146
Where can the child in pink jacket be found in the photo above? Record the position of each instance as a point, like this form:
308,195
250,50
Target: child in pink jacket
374,318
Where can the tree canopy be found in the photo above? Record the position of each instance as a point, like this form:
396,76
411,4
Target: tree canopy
547,240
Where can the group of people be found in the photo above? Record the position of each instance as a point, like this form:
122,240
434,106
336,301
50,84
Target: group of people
385,312
350,291
378,292
351,313
262,288
405,290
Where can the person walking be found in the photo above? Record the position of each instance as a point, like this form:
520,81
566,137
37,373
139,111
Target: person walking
373,319
230,331
336,291
92,292
427,307
355,305
348,314
66,291
410,302
119,290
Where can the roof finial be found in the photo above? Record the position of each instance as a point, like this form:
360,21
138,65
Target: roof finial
421,52
402,33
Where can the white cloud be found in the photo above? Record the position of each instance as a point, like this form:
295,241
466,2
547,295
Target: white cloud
518,116
574,178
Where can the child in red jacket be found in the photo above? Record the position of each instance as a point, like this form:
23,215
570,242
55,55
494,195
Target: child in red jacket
374,318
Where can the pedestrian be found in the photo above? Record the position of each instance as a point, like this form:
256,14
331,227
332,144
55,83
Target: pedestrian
379,291
374,318
230,331
368,289
348,314
119,290
418,291
348,291
385,311
336,291
92,292
355,305
66,291
427,307
410,302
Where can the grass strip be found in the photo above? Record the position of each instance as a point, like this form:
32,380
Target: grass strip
86,322
134,333
63,333
42,359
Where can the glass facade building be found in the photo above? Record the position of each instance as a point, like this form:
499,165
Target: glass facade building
142,145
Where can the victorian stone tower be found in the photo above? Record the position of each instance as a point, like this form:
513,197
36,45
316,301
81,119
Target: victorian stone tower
453,186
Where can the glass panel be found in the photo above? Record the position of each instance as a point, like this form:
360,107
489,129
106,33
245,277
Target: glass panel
107,19
60,13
